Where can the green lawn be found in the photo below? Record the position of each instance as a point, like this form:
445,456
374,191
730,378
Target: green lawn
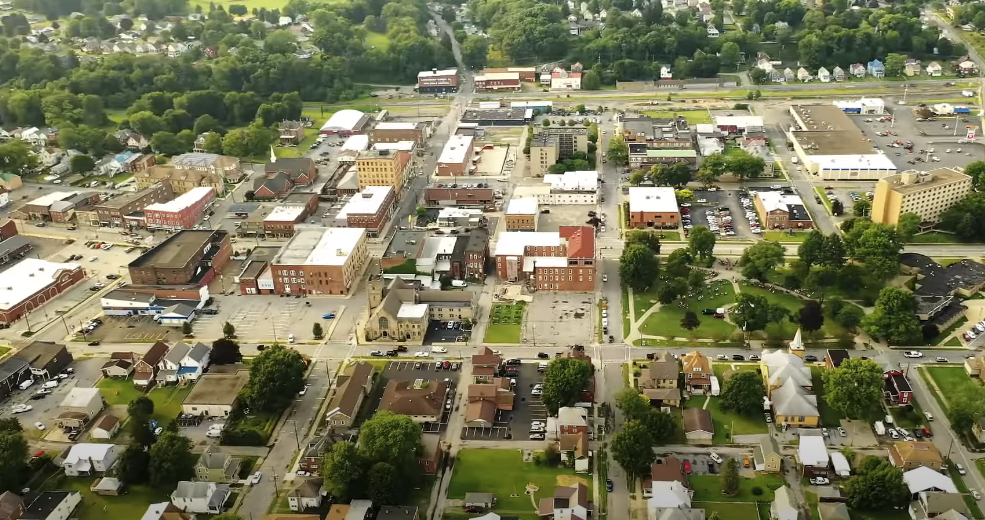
953,381
667,321
729,510
95,507
502,334
830,417
708,488
503,473
934,237
250,4
947,332
787,329
505,323
378,40
298,151
784,236
694,117
167,400
725,421
824,198
908,420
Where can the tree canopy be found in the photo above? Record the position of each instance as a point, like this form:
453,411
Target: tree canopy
894,318
876,485
743,392
565,380
855,387
276,376
638,267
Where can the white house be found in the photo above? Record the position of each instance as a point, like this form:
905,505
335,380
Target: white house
803,75
306,494
52,505
284,21
824,75
87,401
167,369
200,497
784,507
673,495
195,362
33,135
713,32
87,458
666,73
105,428
935,69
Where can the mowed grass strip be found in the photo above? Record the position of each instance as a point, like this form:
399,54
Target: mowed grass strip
729,510
503,473
708,488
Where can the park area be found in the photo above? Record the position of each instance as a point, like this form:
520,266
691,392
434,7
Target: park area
506,475
505,323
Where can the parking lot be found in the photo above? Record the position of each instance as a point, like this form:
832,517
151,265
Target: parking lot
527,408
940,134
47,409
560,319
563,216
438,332
410,369
267,317
715,202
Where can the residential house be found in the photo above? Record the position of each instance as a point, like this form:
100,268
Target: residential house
200,497
120,364
665,72
922,480
87,458
912,67
574,447
486,400
167,369
10,181
663,472
479,501
978,429
938,504
145,371
314,453
196,360
897,389
571,419
909,455
966,67
53,505
857,69
568,503
79,407
794,405
788,75
784,505
290,132
423,401
353,385
664,495
105,428
833,511
215,466
766,455
934,69
658,381
199,146
697,373
812,454
776,76
698,426
824,75
803,75
839,74
306,494
137,141
712,31
485,357
876,69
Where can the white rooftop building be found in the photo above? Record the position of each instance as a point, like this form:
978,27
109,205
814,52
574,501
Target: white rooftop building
812,451
926,479
431,73
400,146
321,246
366,202
356,143
457,150
290,213
653,200
454,217
395,125
183,201
867,106
573,181
513,243
775,200
522,206
344,121
27,277
436,246
51,198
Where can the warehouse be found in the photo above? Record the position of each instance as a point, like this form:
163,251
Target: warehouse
28,285
345,122
863,106
831,147
502,117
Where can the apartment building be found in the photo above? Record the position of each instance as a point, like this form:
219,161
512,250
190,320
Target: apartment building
928,194
226,167
184,212
562,260
370,209
381,168
320,261
395,132
456,157
436,81
181,180
185,257
551,145
113,212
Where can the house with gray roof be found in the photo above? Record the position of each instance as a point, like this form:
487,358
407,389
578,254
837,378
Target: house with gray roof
216,466
200,497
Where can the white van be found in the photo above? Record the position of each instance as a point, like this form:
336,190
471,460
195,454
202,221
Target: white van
542,366
26,384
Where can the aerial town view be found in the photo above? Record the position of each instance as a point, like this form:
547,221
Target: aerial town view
492,260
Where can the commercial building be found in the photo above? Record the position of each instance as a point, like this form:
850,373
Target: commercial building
445,195
552,145
370,209
300,170
459,256
215,394
642,157
436,81
564,80
402,311
320,261
497,82
495,117
46,358
563,189
460,217
456,157
281,220
563,260
345,122
927,194
740,124
57,206
863,106
187,257
528,74
521,214
381,168
180,180
226,167
392,132
184,212
654,207
29,284
781,211
113,212
830,146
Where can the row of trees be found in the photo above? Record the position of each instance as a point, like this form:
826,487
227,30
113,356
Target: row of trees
645,428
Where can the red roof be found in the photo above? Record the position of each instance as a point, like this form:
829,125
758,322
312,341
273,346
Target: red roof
581,241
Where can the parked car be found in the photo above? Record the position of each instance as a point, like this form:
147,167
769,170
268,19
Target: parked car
256,477
820,481
715,457
608,485
913,354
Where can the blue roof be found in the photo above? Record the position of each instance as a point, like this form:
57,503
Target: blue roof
121,157
875,63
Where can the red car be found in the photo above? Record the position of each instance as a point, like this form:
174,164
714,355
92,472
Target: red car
447,364
927,432
687,466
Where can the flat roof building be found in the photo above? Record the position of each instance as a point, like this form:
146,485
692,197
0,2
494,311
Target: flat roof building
780,211
497,82
378,167
653,207
395,132
370,209
498,117
436,81
345,122
29,284
562,260
320,261
187,257
927,194
832,147
456,156
521,214
183,212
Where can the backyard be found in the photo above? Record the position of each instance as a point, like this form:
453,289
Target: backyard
505,323
830,417
167,400
729,510
504,474
725,421
666,322
133,504
708,488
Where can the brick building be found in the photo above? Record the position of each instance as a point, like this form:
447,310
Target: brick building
29,284
392,132
467,197
280,222
382,168
184,212
528,74
112,212
320,261
550,261
181,180
456,157
436,81
226,167
187,257
521,214
370,209
58,206
653,207
301,170
780,211
498,82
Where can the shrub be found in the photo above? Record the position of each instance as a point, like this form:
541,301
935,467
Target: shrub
757,491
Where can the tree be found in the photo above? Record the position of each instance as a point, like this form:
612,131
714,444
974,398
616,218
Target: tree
894,318
132,465
147,123
690,321
645,238
16,155
564,382
227,515
759,260
965,409
670,290
907,226
618,151
677,264
636,407
280,41
743,393
758,76
713,167
701,242
632,449
171,460
811,250
394,439
591,81
745,165
837,208
894,65
475,51
638,267
850,316
228,330
81,163
730,477
276,376
976,170
383,483
636,177
811,317
141,407
546,122
13,456
343,468
316,331
225,352
862,208
186,328
855,387
730,54
876,486
752,312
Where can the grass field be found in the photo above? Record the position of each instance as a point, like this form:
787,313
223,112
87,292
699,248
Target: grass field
725,421
667,321
708,488
729,510
250,4
133,504
503,473
505,323
694,117
167,400
380,41
783,236
952,381
934,237
787,329
829,416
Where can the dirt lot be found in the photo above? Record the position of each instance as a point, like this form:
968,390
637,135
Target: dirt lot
560,319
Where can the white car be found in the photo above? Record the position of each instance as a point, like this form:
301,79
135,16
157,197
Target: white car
538,424
820,481
290,338
913,354
39,425
536,391
421,354
960,468
976,495
714,456
48,385
702,201
721,357
21,408
303,390
605,278
256,477
439,350
158,431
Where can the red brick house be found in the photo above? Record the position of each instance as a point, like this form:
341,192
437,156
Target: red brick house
301,171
